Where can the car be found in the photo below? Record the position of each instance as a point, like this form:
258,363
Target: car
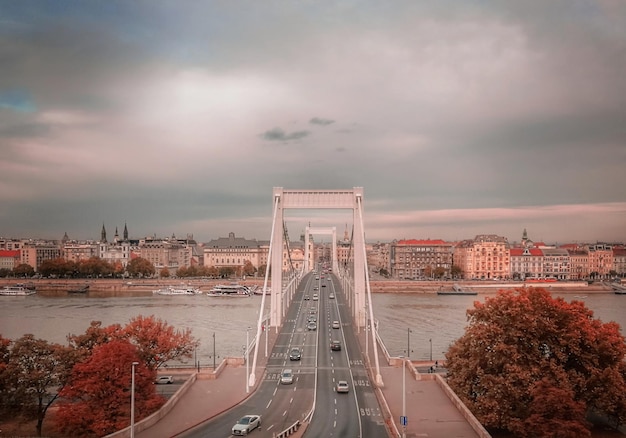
336,324
311,326
331,296
286,377
295,354
164,379
335,345
316,288
323,285
312,318
306,297
246,424
342,386
315,297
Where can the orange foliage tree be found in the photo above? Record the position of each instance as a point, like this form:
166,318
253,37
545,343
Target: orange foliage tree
523,350
97,400
158,342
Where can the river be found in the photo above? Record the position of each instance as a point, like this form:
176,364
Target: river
434,321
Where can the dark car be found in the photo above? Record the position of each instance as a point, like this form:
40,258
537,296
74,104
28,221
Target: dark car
295,354
335,345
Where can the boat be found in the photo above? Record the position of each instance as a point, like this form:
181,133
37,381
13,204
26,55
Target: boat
618,289
79,289
180,290
18,290
457,290
230,290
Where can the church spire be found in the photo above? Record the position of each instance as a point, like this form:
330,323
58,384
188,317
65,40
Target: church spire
103,234
125,232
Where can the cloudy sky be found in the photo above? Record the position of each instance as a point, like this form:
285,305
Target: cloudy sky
456,117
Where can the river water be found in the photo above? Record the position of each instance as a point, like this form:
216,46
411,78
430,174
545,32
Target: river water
434,321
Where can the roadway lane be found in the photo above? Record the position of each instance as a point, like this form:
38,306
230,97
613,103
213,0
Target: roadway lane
312,394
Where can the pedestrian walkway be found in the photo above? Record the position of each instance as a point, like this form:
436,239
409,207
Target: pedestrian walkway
208,397
429,410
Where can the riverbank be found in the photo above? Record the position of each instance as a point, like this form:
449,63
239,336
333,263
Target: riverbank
117,287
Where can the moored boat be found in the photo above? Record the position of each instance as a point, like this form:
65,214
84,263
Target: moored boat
79,289
180,290
230,290
18,290
457,290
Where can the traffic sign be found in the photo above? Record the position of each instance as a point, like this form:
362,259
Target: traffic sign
403,420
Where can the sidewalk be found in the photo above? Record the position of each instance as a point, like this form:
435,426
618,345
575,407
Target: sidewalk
429,411
207,398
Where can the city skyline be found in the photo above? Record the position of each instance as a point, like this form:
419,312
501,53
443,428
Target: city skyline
457,118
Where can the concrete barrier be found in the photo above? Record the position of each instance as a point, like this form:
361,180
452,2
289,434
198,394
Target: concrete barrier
289,431
467,414
155,417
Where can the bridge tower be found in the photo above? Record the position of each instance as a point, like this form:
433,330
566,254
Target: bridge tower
282,200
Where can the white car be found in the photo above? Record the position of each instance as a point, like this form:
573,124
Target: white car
247,424
336,325
286,377
164,379
342,386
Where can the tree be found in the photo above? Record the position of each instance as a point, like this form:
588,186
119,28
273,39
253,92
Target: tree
248,268
97,402
439,272
158,342
165,273
140,267
522,340
34,371
23,270
456,271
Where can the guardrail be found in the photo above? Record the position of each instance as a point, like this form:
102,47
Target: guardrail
289,431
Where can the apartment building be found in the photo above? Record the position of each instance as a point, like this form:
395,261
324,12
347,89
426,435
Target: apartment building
9,259
419,259
526,263
487,256
600,260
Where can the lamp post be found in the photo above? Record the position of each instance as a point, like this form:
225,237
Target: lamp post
132,400
213,351
404,419
246,351
408,343
431,349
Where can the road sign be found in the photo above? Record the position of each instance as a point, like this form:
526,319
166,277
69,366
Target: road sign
403,420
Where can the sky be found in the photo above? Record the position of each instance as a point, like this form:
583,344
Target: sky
177,117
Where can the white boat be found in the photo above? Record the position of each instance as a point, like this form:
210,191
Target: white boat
180,290
230,290
17,291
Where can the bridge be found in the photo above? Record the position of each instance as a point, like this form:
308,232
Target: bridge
311,309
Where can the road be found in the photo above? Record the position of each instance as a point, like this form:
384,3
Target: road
312,394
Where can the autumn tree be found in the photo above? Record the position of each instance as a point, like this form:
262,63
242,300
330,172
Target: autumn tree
158,342
523,348
23,270
140,267
34,375
97,402
5,390
248,268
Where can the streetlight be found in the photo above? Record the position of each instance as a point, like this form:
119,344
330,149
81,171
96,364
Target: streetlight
431,349
408,343
404,419
132,400
214,352
246,351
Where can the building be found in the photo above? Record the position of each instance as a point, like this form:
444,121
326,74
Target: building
34,253
600,260
526,263
556,263
619,261
234,252
9,259
420,259
117,252
485,257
